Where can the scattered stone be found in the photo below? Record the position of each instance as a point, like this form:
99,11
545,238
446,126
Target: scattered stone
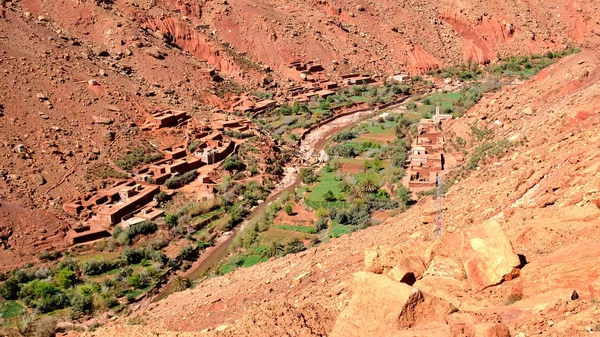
574,295
21,148
102,52
41,96
101,120
448,80
101,72
157,54
113,108
528,111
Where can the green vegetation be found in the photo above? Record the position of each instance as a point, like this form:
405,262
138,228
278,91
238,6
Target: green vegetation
301,229
525,67
495,150
10,309
138,156
141,228
465,72
181,180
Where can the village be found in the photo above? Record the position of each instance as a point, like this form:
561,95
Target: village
134,200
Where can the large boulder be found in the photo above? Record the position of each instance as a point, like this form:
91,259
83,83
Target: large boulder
381,306
488,256
573,267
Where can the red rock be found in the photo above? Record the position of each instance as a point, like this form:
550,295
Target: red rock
560,270
403,263
382,307
488,256
595,289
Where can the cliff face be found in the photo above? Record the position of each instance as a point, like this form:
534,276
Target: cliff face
386,36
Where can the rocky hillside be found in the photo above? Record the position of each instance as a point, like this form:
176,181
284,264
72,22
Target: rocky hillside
517,255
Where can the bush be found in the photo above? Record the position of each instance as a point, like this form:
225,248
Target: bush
48,256
10,289
344,135
136,157
307,175
97,267
81,303
233,163
329,196
171,220
288,209
188,253
322,223
294,246
141,228
412,106
65,278
180,180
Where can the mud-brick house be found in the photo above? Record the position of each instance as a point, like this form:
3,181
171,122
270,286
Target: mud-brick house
132,195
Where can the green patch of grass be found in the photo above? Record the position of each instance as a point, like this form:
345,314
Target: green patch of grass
327,182
243,261
301,229
10,309
443,100
338,229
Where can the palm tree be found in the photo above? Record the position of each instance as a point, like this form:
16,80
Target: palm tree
275,249
368,186
180,283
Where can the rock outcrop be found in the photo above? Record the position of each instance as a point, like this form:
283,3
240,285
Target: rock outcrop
381,306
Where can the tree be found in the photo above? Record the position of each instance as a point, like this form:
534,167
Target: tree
294,246
288,209
307,175
274,249
404,195
329,196
65,278
180,283
322,223
368,186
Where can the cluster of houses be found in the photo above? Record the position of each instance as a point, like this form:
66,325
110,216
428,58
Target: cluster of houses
426,159
313,84
133,201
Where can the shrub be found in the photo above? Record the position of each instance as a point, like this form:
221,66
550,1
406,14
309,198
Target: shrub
233,163
180,180
329,196
294,246
322,223
81,303
288,209
136,157
307,175
274,249
161,197
97,267
188,253
344,135
48,256
65,278
171,220
10,289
